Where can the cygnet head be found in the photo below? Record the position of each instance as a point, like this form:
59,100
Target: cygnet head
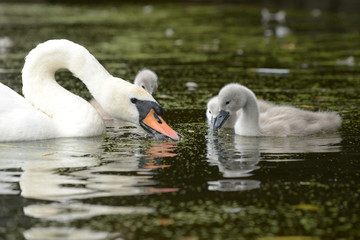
147,79
130,103
212,109
231,98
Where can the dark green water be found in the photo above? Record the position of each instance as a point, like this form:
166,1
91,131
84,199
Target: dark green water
129,186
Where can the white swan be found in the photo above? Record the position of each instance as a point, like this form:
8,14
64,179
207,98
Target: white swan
275,121
50,111
145,78
212,111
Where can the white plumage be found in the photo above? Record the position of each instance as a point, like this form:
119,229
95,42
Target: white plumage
50,111
145,78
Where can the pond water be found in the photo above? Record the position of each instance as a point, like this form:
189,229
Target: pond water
128,185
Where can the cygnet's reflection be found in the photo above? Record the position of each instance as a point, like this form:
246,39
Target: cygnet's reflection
233,185
239,156
302,144
232,160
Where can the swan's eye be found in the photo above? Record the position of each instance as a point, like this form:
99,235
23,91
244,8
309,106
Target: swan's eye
143,86
133,100
227,102
209,111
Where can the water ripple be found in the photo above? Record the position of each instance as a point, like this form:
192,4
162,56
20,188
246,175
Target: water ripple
239,157
69,169
65,212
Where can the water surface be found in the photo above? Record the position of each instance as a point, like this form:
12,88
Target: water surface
128,185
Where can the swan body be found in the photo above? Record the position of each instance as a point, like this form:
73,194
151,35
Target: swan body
13,126
276,120
53,112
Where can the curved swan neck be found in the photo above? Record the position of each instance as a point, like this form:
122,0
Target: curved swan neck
248,122
74,114
43,61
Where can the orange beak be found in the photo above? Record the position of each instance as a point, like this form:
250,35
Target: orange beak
152,122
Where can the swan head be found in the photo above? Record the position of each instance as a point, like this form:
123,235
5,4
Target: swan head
147,79
231,98
130,103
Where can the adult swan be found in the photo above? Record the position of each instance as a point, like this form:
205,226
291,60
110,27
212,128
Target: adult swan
50,111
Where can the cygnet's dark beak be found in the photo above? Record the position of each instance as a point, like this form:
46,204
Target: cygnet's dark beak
219,120
151,121
212,123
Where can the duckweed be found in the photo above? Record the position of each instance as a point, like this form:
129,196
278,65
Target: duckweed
302,195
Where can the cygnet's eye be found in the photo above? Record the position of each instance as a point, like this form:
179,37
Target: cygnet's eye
133,100
209,111
227,102
143,86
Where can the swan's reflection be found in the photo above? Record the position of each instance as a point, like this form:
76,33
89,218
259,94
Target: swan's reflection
34,164
65,171
69,233
238,156
64,212
68,169
154,154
